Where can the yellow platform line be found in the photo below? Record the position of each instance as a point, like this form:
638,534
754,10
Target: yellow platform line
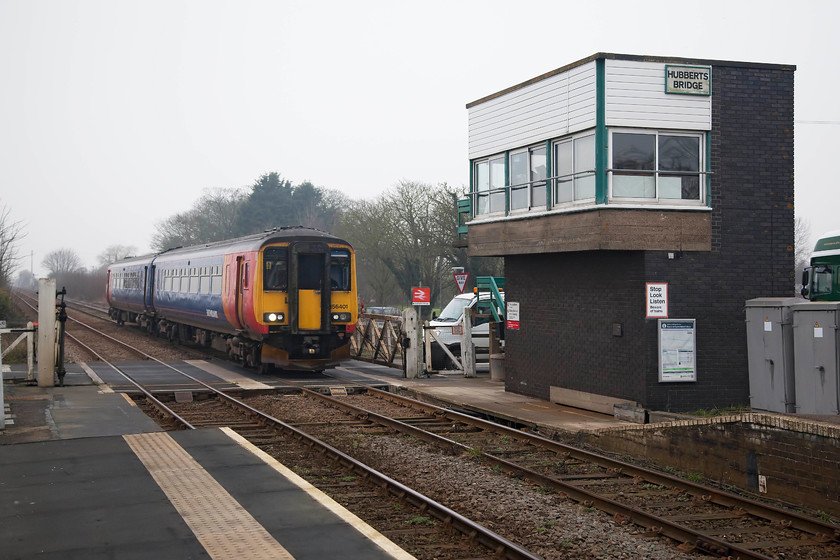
223,527
361,526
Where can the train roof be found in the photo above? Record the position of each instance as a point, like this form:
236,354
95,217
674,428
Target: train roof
259,240
251,242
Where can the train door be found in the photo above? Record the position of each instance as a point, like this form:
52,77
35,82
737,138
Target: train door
240,286
310,270
148,287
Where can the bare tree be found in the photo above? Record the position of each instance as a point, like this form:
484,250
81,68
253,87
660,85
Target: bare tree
26,280
212,218
61,261
114,253
410,230
11,232
802,248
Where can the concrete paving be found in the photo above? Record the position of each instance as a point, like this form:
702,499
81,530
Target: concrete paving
483,395
84,474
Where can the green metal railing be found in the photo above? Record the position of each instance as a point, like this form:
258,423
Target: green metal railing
494,286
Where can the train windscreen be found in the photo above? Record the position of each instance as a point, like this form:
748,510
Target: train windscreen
275,269
340,270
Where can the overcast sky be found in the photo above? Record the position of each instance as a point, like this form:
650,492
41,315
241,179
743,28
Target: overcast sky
114,115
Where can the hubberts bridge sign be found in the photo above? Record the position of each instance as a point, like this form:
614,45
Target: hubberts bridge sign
688,80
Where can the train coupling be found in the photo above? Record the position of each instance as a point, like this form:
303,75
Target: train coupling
311,346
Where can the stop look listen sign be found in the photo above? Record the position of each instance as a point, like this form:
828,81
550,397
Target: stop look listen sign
657,300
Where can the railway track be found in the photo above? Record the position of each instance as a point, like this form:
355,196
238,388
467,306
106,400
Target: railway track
425,526
699,518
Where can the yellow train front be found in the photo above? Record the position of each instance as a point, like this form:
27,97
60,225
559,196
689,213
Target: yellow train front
285,298
304,302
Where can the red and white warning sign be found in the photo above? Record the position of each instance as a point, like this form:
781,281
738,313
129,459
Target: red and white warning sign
461,279
421,296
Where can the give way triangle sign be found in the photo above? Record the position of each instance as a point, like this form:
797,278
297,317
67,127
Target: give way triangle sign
461,280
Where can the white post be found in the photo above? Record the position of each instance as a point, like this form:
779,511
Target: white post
30,352
2,396
46,332
414,348
467,353
427,347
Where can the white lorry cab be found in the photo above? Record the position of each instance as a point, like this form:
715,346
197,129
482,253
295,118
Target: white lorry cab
448,327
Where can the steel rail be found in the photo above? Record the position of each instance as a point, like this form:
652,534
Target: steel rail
157,403
721,497
502,547
654,523
154,401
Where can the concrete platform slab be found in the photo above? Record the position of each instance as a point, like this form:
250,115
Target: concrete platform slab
96,498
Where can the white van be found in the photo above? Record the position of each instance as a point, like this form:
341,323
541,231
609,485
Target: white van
453,315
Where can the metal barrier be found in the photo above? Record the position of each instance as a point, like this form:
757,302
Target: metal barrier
381,339
378,339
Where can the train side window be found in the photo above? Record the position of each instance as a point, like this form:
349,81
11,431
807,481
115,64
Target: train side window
340,270
275,269
205,282
216,283
194,280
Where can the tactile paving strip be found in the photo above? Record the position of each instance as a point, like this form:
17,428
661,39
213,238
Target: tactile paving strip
223,527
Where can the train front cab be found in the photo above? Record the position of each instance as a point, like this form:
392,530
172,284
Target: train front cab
301,297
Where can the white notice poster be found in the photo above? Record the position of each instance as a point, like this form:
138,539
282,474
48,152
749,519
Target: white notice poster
657,300
677,342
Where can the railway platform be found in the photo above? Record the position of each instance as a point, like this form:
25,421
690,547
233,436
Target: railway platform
84,473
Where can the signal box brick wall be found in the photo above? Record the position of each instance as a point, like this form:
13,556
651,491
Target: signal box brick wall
572,304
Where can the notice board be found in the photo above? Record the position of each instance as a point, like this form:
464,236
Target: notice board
677,350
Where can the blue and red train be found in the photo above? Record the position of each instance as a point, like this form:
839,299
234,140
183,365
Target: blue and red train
284,298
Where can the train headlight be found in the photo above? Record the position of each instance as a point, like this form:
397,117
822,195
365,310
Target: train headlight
341,317
273,317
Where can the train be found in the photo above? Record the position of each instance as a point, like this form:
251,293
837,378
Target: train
821,280
284,298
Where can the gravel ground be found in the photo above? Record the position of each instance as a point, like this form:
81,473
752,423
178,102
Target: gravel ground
544,523
158,347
